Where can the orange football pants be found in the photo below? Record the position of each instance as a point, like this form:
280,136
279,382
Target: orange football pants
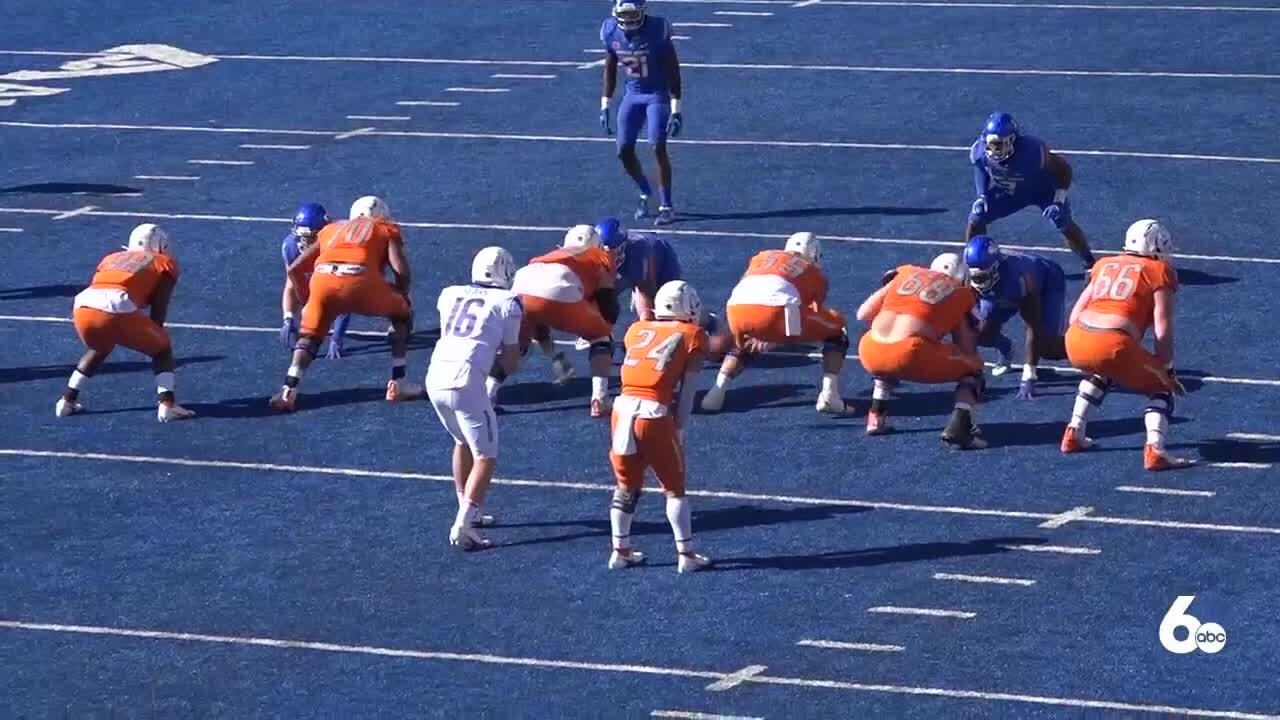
1115,355
580,318
334,295
658,447
768,323
917,359
103,331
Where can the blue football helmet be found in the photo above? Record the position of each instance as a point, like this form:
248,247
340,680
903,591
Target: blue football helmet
308,221
999,136
629,14
983,256
614,239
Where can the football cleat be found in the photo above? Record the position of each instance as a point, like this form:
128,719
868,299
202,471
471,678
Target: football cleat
66,409
692,562
562,369
642,208
601,407
1002,367
1155,460
401,390
285,400
619,559
877,423
170,412
666,216
1074,441
713,401
829,402
962,434
467,539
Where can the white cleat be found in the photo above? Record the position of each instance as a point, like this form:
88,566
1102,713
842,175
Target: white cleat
67,409
713,401
830,402
619,559
692,562
562,369
1002,367
172,412
402,390
582,344
467,539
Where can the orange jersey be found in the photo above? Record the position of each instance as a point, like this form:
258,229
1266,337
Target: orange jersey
592,265
363,241
934,297
658,353
796,269
1126,285
136,272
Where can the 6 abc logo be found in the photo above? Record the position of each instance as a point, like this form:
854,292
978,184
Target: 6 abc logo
1209,637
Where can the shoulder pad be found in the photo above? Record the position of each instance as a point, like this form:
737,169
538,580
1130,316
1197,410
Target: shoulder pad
977,151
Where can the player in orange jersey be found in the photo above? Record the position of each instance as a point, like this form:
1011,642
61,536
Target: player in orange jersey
571,289
1126,295
109,313
780,300
350,260
909,318
663,357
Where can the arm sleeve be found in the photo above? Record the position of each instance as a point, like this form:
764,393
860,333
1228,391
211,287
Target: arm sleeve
980,179
340,326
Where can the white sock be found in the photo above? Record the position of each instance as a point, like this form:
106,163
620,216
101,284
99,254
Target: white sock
467,514
491,385
620,521
77,381
1088,395
831,383
679,514
599,387
723,380
883,390
1157,428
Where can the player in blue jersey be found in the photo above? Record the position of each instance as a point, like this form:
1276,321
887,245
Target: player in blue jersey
1012,171
307,223
642,44
1011,284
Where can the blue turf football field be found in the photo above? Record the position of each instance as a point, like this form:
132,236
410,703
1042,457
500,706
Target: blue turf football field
249,565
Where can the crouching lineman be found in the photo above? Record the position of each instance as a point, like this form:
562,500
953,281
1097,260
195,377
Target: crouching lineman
1127,294
479,330
909,317
307,224
350,260
571,289
109,313
779,300
663,357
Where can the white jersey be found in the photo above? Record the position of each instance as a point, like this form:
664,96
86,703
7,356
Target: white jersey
475,322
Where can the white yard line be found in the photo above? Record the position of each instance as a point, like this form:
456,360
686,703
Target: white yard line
984,579
1062,549
167,177
1151,490
220,162
861,647
251,146
923,612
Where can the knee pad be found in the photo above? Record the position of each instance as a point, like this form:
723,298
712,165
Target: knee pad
603,346
307,345
1161,403
625,500
837,344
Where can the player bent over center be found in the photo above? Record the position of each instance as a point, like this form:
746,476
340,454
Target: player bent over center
479,325
109,313
909,316
663,355
350,260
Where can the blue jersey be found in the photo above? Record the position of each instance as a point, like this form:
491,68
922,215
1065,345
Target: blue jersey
643,53
290,249
1021,275
1023,175
649,262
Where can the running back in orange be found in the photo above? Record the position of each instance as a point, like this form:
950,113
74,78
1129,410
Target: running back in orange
937,299
796,269
136,272
1126,286
658,355
592,265
363,241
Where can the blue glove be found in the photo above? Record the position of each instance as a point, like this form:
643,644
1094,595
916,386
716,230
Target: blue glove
289,333
604,122
979,209
1027,390
674,124
1059,214
335,349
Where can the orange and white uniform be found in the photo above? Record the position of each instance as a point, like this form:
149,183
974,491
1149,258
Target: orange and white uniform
1106,337
557,290
940,303
110,311
644,423
779,299
349,275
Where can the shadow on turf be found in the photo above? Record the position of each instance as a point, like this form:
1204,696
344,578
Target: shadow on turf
869,557
36,292
70,188
1187,276
751,397
796,213
256,406
47,372
1022,434
366,345
1228,450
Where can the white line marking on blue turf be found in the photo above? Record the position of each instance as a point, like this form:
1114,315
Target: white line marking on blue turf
1152,490
462,89
251,146
10,230
166,177
990,5
644,670
681,37
220,162
522,76
806,3
353,133
743,13
599,487
597,63
428,103
1072,515
74,213
690,715
734,679
1063,549
923,612
838,645
589,51
1238,465
984,579
379,117
702,25
1255,437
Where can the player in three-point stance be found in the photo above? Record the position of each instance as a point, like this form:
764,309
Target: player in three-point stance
1126,295
643,46
479,332
664,356
1012,171
109,313
307,224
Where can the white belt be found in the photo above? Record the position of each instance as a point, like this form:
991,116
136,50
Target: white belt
340,269
625,411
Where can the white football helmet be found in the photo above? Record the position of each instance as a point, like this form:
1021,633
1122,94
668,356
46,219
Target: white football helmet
493,266
370,206
1148,237
953,265
806,244
581,237
677,300
148,237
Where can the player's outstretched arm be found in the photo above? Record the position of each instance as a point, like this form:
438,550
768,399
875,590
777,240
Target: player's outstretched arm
1081,303
684,405
871,306
1059,169
400,266
1031,315
160,299
297,277
607,86
642,299
1162,325
509,354
965,338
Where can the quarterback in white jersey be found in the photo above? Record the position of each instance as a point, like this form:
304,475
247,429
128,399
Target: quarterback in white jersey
479,334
